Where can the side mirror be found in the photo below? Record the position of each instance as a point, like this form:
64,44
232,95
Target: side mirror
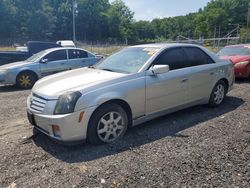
159,69
44,61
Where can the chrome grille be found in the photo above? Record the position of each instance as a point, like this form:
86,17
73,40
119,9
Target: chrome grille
37,103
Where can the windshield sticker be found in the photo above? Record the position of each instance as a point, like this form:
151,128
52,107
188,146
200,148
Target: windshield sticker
151,51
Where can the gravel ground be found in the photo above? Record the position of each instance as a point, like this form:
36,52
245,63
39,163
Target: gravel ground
197,147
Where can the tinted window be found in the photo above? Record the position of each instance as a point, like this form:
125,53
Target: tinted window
175,58
56,55
197,57
76,54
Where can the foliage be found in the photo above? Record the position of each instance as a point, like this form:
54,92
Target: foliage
100,20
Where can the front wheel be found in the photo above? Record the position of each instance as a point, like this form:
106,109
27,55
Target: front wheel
25,80
218,94
107,124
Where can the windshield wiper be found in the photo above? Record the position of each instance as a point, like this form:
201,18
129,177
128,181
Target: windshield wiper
91,67
108,70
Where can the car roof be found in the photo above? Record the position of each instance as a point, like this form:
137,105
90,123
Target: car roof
238,45
165,45
61,48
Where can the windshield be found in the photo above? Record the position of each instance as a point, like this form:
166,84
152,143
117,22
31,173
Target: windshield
37,56
128,60
232,51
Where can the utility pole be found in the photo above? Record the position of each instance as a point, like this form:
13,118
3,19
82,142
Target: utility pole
215,35
238,30
248,17
74,6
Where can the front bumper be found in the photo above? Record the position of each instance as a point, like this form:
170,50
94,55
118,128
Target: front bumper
71,130
6,78
242,71
2,78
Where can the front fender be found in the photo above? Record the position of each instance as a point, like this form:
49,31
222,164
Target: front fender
12,74
87,101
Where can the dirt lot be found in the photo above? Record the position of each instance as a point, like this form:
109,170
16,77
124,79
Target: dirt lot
197,147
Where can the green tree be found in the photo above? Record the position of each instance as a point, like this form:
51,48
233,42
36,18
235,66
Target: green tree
91,22
120,21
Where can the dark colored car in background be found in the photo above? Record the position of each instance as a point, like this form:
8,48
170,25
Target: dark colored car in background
33,47
240,56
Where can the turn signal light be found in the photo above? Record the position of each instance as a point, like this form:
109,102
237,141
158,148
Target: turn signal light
81,117
56,130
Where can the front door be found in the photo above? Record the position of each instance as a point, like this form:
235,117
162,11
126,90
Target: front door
54,62
168,90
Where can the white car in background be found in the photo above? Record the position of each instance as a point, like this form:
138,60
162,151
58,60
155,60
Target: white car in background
25,73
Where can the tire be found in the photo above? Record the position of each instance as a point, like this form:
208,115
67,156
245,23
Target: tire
103,128
218,94
26,80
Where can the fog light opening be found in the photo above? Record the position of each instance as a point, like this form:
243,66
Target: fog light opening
81,117
56,130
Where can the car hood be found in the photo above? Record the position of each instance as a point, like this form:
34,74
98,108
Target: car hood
75,80
15,65
237,58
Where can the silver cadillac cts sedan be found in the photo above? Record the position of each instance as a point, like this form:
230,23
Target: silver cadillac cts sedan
130,87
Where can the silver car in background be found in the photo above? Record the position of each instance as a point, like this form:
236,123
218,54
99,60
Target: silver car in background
24,74
128,88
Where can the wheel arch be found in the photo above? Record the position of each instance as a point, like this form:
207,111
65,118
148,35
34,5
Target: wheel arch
29,71
226,82
121,103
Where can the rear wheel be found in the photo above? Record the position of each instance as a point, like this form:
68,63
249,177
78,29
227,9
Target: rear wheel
107,124
25,80
218,94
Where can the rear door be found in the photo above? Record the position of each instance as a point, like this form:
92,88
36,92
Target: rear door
77,59
56,61
202,74
168,90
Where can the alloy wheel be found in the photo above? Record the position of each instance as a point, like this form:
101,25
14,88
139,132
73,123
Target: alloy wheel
110,127
25,81
219,94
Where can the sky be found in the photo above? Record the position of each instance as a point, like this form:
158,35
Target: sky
150,9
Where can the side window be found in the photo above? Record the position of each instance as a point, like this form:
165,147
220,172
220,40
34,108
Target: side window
175,58
56,55
76,54
197,57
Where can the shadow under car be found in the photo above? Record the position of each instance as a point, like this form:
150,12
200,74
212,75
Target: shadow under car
166,126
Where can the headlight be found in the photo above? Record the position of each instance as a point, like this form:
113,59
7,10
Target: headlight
242,63
66,103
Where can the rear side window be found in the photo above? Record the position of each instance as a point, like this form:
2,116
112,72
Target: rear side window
197,57
175,58
76,54
56,55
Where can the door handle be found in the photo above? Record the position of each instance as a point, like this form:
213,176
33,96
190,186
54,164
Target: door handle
184,80
62,63
211,73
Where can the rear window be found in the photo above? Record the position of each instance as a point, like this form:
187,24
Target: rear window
233,51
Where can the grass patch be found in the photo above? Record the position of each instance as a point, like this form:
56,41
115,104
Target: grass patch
7,48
